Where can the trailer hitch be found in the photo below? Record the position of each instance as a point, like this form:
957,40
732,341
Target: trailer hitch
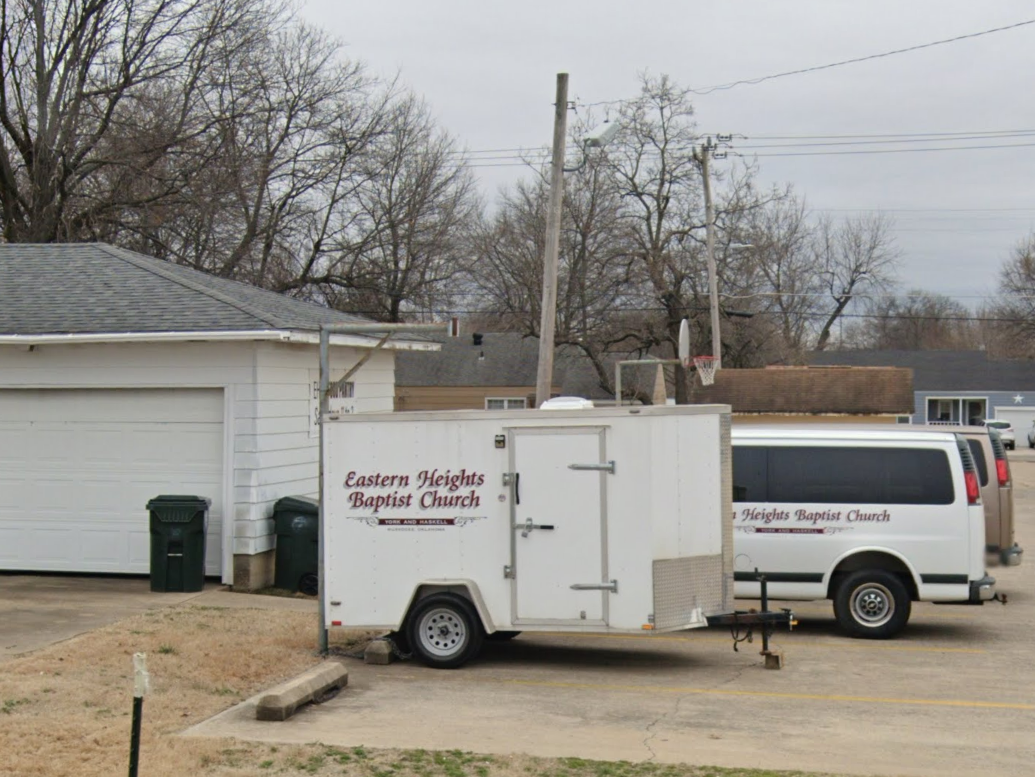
742,625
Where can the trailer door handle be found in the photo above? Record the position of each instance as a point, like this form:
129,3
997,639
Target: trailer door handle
517,488
605,466
612,587
527,527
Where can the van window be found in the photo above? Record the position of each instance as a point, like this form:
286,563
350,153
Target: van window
978,453
749,474
819,474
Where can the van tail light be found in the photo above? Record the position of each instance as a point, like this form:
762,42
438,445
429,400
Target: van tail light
970,478
1002,471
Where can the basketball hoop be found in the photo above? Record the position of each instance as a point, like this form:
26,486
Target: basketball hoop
706,369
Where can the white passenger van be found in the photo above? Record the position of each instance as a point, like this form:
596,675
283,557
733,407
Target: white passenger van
872,517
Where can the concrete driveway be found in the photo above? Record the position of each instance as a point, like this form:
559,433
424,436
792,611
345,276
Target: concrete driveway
953,697
39,610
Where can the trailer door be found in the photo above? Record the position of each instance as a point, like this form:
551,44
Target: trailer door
559,537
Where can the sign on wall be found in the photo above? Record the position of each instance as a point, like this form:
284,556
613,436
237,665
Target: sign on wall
341,400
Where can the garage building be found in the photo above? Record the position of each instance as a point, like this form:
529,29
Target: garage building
123,377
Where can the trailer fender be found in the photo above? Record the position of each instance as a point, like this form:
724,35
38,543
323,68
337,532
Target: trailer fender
460,586
872,557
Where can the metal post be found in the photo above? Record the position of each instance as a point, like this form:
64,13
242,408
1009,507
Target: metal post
326,330
321,590
548,323
709,231
141,684
624,362
134,737
765,609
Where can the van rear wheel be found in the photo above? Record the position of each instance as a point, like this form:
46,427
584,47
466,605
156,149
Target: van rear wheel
444,631
872,604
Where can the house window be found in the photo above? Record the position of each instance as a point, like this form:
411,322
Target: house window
956,410
505,403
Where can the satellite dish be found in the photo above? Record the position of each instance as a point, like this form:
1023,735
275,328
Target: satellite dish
684,342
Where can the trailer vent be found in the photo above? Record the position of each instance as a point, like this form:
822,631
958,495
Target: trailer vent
682,585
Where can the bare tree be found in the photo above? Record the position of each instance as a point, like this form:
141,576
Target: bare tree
914,321
1010,318
653,168
787,283
857,256
76,76
415,211
281,174
509,247
593,273
632,243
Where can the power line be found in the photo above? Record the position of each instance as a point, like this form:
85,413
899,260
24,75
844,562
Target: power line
855,60
928,139
925,210
520,161
883,135
890,150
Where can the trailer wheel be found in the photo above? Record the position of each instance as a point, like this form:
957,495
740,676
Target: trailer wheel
872,604
444,631
309,584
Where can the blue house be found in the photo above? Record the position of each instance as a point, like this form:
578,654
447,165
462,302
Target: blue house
956,387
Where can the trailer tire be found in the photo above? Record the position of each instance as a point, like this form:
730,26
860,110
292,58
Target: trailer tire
309,584
872,604
444,631
501,636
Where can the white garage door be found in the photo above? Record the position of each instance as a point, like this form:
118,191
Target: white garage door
1020,417
77,468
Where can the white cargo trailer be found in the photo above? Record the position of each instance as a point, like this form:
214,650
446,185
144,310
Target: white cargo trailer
447,527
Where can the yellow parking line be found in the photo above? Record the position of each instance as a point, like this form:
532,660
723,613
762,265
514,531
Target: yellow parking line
853,645
773,695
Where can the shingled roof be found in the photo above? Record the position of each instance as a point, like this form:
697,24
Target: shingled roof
943,370
95,288
499,359
812,390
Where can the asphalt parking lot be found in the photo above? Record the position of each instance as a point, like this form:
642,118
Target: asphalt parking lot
955,695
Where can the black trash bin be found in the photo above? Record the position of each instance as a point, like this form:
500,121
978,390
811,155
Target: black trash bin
178,528
297,526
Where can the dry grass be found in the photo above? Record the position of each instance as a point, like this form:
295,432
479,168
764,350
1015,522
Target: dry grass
65,710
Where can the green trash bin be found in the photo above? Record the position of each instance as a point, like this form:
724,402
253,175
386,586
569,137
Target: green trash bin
178,528
297,526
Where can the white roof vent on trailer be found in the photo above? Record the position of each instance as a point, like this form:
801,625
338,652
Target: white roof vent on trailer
566,403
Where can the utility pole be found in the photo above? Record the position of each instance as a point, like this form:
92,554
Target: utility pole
709,231
548,324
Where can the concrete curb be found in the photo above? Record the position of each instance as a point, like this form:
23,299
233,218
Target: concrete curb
281,702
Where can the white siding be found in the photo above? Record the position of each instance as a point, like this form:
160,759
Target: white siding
276,454
269,451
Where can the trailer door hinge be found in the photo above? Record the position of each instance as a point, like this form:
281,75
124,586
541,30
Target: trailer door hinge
508,572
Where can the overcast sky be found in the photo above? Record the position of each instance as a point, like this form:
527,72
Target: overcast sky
488,71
